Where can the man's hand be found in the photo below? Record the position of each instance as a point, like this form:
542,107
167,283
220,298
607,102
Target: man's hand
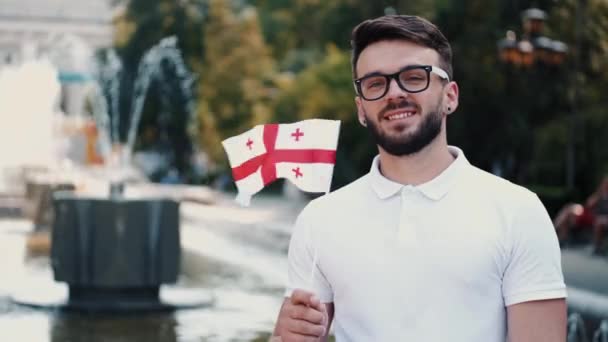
302,318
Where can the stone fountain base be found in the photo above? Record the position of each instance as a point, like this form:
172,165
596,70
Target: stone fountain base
59,297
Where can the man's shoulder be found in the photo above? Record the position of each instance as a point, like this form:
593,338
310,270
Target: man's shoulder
495,186
342,198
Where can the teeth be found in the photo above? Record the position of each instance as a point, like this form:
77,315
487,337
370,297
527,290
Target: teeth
400,116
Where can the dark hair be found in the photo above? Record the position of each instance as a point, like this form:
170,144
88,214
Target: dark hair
401,27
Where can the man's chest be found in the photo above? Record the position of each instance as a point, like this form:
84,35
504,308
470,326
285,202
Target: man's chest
422,251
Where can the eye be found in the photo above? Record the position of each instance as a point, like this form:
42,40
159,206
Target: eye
374,83
413,76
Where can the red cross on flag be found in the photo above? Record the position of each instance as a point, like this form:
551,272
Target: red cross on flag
303,152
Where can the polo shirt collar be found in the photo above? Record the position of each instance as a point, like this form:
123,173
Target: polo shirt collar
434,189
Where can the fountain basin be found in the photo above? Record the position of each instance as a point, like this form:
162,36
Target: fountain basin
38,199
114,253
58,297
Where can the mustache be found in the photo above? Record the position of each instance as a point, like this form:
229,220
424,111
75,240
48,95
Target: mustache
403,104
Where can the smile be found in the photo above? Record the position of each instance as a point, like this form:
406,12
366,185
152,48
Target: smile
398,116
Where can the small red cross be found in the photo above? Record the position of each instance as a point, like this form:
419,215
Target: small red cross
297,134
298,173
249,143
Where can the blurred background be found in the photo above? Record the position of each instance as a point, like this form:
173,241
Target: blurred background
535,121
148,89
538,124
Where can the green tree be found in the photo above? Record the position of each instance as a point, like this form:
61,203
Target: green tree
521,118
238,70
300,26
145,22
141,24
583,25
324,90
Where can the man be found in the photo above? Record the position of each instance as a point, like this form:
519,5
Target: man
425,247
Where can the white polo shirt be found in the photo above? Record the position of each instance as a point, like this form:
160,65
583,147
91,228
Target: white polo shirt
434,262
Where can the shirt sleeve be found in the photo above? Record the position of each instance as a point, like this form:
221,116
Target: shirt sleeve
303,261
533,270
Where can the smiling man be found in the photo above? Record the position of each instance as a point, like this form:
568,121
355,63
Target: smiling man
425,247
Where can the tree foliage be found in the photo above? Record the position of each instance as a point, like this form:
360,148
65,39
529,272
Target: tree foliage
276,60
324,90
520,120
236,87
165,126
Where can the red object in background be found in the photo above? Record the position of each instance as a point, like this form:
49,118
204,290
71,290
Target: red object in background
91,134
584,217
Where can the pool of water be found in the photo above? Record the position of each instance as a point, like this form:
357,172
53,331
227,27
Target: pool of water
236,255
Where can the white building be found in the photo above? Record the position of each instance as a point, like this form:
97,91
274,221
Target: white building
42,21
67,31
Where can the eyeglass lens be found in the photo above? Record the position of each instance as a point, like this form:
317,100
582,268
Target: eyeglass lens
412,80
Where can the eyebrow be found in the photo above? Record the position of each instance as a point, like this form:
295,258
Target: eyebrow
373,73
378,73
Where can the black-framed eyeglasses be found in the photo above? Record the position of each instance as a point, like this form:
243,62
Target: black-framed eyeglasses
412,78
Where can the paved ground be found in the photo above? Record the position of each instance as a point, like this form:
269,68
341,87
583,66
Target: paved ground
584,271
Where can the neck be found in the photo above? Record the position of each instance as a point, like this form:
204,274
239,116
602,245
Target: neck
417,168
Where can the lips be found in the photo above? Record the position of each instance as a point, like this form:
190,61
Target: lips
399,115
399,111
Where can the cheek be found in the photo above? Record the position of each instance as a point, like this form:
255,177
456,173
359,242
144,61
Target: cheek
369,109
430,103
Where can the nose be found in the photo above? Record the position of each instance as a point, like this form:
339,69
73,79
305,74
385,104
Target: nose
394,91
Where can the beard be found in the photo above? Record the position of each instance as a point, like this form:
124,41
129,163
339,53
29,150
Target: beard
411,143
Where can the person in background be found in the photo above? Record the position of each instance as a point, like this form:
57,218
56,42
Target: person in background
593,215
598,202
425,247
572,218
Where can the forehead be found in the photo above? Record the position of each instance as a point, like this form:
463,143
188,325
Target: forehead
388,56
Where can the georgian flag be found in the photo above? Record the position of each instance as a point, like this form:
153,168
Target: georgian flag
303,152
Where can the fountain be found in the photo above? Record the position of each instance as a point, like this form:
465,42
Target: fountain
115,253
114,250
28,143
161,66
26,137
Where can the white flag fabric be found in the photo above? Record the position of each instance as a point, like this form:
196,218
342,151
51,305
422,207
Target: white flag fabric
303,152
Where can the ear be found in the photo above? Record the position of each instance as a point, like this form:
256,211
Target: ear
451,98
360,112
